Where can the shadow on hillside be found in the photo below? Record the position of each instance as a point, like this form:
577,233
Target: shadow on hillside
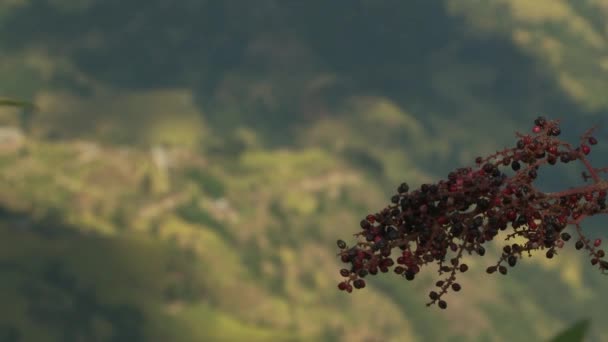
413,52
47,294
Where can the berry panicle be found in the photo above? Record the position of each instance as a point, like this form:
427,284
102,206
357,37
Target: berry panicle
438,223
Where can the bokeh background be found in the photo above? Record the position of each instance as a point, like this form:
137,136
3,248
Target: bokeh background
191,163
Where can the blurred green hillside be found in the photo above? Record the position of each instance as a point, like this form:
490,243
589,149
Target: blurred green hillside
190,164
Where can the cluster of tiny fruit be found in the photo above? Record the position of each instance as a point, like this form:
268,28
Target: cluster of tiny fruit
437,223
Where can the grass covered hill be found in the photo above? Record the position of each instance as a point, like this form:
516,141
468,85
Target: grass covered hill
191,164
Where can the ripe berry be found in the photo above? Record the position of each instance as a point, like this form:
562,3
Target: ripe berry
549,254
512,260
341,244
579,244
597,242
456,287
359,283
349,288
592,141
344,272
442,304
364,224
403,188
491,269
342,286
463,268
433,295
409,275
515,165
600,253
502,269
540,121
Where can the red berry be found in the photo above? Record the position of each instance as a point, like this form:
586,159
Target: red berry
552,150
342,286
371,218
511,215
442,220
586,149
536,129
597,242
592,141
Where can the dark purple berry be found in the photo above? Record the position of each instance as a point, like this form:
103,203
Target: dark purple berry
359,283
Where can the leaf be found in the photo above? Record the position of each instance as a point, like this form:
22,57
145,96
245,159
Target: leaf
575,333
16,103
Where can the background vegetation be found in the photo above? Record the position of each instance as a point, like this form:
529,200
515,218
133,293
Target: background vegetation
191,163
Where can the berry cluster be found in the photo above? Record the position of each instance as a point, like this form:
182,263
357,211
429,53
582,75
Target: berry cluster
459,214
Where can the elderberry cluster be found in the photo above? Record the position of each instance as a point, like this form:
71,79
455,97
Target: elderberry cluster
437,223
